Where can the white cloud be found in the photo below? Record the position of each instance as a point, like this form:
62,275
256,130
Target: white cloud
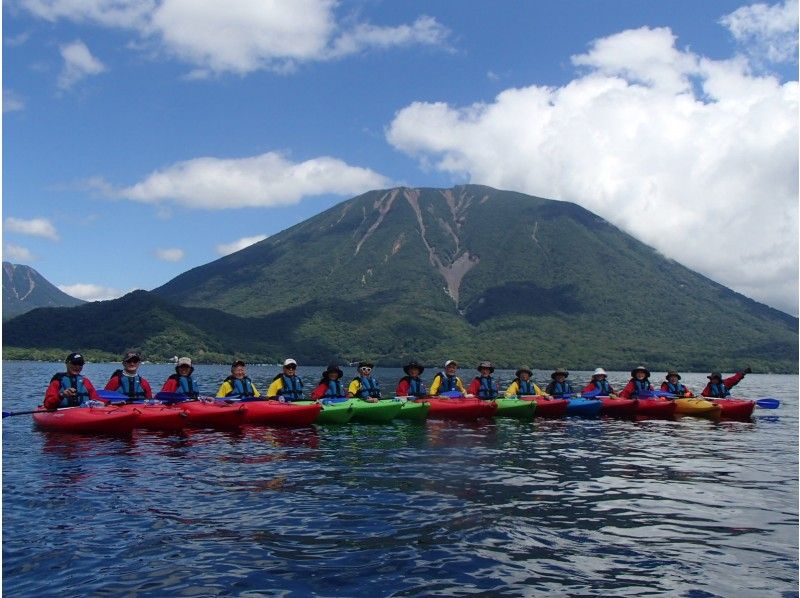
243,36
768,32
91,292
78,64
17,254
261,181
695,157
228,248
37,227
12,101
170,255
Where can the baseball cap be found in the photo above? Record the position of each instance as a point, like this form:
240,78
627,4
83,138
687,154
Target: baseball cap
131,356
289,361
75,358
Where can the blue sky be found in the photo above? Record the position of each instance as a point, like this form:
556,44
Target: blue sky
144,138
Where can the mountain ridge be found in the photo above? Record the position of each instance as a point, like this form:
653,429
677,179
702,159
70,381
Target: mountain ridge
25,289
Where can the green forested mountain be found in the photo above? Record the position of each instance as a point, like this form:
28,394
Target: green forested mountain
470,273
25,289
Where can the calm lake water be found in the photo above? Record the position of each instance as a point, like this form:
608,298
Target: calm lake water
507,508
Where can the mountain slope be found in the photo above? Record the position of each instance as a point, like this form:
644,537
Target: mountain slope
25,289
470,273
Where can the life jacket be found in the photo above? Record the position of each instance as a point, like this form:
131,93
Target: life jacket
81,392
526,387
641,387
448,383
416,388
240,387
676,389
488,387
603,387
292,387
334,390
130,385
369,388
560,388
186,385
719,391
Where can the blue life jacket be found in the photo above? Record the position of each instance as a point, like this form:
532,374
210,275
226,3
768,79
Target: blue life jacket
448,383
369,388
240,387
335,389
81,392
292,387
602,387
676,389
559,388
416,387
526,387
186,385
130,385
719,391
488,387
641,387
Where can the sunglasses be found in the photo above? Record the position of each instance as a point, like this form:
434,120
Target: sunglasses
365,369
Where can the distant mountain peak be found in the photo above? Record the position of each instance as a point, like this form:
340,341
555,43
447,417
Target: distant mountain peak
25,289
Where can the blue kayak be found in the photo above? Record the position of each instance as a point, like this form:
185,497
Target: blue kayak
584,407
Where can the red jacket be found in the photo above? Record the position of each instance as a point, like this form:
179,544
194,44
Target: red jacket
630,390
591,388
113,384
728,382
322,388
404,385
52,396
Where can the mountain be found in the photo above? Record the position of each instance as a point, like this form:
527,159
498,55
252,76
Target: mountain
468,273
25,289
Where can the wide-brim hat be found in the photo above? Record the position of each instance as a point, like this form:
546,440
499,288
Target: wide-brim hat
184,361
413,364
333,368
672,373
640,368
485,364
560,371
599,372
714,375
524,368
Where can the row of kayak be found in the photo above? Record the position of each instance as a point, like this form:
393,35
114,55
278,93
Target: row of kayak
229,414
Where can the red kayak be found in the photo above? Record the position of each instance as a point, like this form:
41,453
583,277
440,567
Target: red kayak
86,420
458,408
622,408
551,408
214,414
655,408
740,409
157,416
277,413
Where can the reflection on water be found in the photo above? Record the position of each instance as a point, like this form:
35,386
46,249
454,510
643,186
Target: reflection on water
572,507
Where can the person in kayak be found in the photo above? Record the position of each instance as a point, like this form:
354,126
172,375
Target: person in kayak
719,388
672,385
286,386
639,384
70,388
364,386
128,381
181,381
598,386
330,386
447,381
559,386
411,385
484,386
523,385
238,385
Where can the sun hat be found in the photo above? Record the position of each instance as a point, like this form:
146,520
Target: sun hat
672,373
640,368
485,364
184,361
413,364
333,368
714,375
524,368
599,372
559,371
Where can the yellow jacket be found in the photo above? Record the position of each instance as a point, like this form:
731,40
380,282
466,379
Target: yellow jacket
437,383
513,389
226,388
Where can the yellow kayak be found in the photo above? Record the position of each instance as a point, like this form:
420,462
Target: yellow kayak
698,407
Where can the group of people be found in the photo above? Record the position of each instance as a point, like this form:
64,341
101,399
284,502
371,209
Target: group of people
71,388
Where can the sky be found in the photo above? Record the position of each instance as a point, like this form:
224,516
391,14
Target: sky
143,138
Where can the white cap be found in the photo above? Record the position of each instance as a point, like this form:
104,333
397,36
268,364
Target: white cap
289,361
450,361
599,371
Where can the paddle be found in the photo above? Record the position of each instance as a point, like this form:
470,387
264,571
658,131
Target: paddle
768,403
112,396
13,413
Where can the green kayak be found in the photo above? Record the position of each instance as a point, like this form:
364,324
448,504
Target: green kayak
379,413
514,408
412,410
339,412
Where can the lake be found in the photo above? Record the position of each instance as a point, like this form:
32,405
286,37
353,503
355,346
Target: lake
509,508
